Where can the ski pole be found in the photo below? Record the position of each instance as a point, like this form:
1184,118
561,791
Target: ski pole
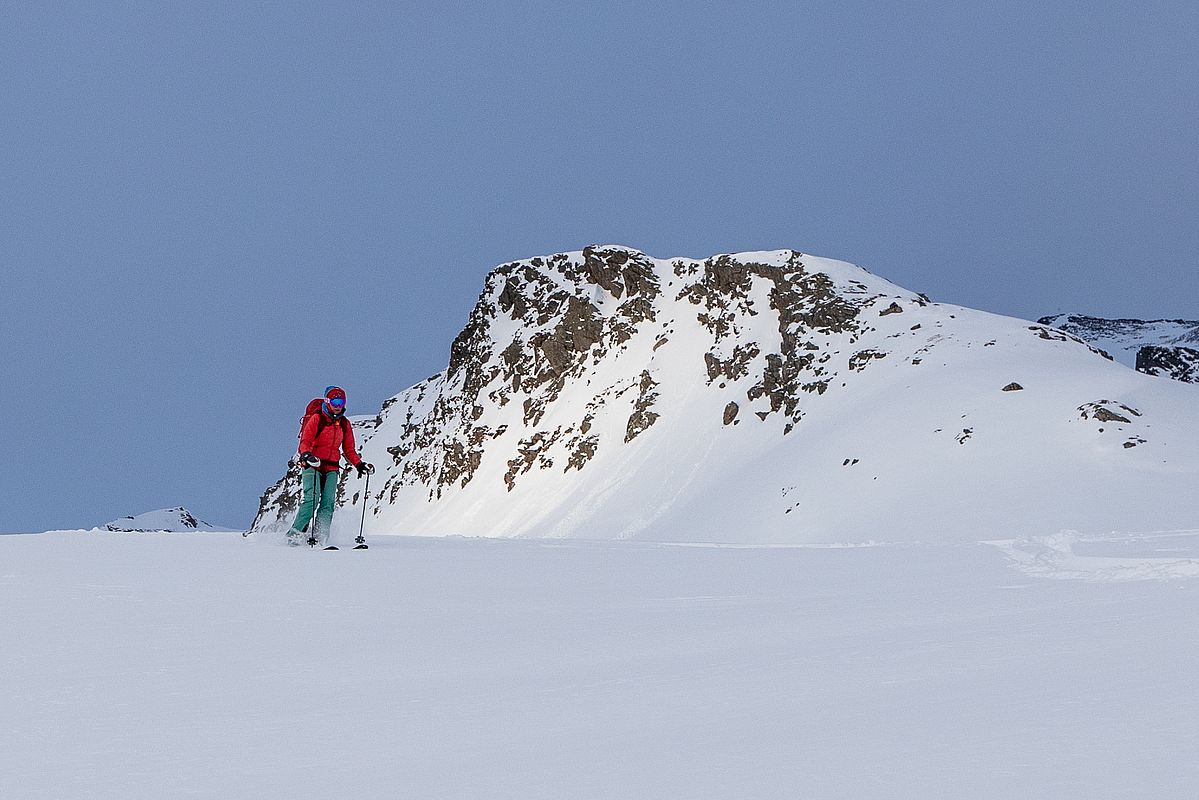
365,492
315,505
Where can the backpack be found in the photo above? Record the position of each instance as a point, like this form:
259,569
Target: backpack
314,407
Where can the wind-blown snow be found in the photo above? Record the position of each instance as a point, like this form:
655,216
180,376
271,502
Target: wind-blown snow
160,666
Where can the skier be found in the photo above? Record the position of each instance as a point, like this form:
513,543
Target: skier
325,434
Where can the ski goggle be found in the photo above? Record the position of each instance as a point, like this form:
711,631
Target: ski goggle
337,402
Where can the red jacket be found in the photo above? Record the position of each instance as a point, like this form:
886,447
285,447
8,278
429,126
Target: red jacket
335,436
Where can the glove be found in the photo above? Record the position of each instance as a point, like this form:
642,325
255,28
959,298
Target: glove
364,468
309,460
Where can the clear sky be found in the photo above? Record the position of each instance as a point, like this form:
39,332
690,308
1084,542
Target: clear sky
209,211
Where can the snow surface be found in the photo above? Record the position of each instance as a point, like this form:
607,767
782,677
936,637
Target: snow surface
155,666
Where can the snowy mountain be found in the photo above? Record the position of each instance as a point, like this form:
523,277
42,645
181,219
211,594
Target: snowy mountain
171,520
1164,347
761,397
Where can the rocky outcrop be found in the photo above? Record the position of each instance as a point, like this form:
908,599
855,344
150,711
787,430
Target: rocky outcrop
1179,363
546,325
1108,411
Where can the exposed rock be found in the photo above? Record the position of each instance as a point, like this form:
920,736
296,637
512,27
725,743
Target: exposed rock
621,271
642,418
459,463
1179,363
1013,387
579,329
730,413
1049,334
534,450
735,367
512,301
581,452
860,359
1057,335
1105,411
604,271
1107,415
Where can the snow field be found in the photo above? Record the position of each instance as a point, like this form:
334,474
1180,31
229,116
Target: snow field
152,666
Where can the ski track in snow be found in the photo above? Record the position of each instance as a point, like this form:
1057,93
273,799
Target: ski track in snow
1158,555
204,665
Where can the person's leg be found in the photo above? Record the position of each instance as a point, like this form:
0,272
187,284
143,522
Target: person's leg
324,514
309,480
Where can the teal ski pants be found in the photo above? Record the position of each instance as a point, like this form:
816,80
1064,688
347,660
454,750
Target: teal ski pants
320,490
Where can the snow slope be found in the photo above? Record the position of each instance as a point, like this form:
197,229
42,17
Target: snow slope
767,397
159,666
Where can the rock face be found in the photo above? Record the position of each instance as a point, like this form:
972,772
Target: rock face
608,394
1179,363
1155,347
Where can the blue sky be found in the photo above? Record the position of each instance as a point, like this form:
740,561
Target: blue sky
210,211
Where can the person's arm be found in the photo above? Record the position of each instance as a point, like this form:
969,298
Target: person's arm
347,444
348,447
